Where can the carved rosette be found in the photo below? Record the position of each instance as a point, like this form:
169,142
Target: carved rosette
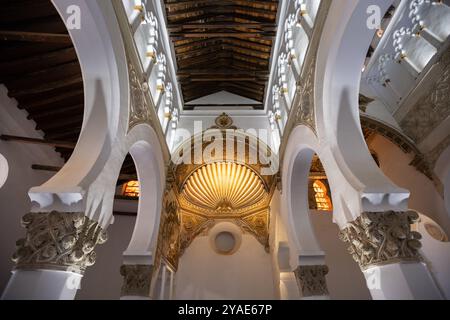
311,280
137,280
58,240
378,238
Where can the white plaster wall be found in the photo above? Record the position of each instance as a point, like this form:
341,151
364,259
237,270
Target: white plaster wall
204,274
344,279
103,279
241,121
378,110
14,201
424,196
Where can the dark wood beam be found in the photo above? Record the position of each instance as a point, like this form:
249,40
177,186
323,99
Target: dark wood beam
38,103
39,61
222,25
208,71
253,105
53,143
43,87
7,35
245,35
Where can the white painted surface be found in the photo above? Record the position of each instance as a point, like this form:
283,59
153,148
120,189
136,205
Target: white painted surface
424,197
222,97
14,200
103,279
204,274
42,285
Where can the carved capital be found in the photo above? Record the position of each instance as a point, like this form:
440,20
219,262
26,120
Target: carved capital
58,240
137,280
311,280
378,238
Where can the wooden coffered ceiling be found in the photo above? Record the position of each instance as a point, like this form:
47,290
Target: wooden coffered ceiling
222,45
40,69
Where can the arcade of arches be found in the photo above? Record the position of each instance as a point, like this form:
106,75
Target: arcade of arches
233,149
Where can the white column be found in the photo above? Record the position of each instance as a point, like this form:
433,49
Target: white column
42,285
172,286
288,286
387,251
51,259
401,281
163,283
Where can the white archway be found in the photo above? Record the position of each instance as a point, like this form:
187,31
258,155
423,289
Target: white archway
105,121
295,206
146,152
340,57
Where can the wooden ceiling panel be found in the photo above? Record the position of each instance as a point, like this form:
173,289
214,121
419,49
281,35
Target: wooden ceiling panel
222,45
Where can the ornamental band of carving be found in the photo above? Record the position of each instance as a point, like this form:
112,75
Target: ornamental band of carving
58,240
378,238
139,108
311,280
137,280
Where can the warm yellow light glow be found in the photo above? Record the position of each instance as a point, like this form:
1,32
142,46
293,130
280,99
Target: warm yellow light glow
131,189
224,186
323,202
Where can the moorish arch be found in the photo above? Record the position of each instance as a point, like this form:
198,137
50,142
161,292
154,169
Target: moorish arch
226,213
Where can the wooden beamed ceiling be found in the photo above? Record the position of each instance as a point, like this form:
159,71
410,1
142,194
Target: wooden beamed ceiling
40,69
222,45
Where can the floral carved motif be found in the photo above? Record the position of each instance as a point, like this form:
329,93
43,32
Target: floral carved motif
431,110
305,89
58,240
378,238
311,280
139,108
136,280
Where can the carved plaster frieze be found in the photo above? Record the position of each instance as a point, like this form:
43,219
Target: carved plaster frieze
139,108
432,109
305,106
311,280
170,245
257,225
378,238
137,280
58,240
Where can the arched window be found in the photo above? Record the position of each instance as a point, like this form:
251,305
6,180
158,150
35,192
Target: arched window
323,201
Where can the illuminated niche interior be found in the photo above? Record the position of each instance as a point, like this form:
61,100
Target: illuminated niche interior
323,201
224,187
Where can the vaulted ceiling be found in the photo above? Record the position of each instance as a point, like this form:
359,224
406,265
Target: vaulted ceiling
222,45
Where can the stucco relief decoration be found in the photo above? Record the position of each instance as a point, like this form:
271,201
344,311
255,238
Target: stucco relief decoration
136,280
58,240
305,111
258,226
378,238
170,246
192,226
311,280
139,109
224,121
430,111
